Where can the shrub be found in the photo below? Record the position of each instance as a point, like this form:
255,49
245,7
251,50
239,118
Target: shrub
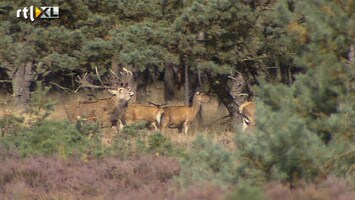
306,130
207,161
49,138
136,140
158,143
10,124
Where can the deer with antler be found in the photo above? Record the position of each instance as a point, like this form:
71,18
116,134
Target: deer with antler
106,111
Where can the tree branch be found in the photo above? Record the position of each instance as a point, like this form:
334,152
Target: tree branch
5,81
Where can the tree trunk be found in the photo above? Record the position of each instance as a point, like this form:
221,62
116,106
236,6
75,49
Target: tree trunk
224,94
21,83
350,65
199,78
238,89
187,88
169,89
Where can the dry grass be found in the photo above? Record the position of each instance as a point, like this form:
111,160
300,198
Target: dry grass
223,137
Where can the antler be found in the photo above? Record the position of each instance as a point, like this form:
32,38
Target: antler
125,80
84,82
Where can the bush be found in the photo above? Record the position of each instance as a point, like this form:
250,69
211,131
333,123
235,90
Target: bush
159,144
306,130
136,140
10,124
49,138
207,161
284,151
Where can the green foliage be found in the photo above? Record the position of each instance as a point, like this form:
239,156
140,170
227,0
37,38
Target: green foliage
41,107
279,151
52,138
10,124
134,129
306,130
207,161
145,44
136,140
145,35
43,137
160,144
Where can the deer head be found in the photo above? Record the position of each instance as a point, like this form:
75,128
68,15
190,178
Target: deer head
201,97
247,110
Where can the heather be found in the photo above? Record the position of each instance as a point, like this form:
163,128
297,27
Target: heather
144,177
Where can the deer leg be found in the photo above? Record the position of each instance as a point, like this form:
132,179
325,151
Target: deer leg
164,124
186,127
180,130
155,126
121,125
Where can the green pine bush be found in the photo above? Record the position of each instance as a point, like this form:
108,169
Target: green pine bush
306,130
207,161
53,138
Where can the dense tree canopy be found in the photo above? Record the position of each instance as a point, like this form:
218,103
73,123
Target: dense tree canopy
217,37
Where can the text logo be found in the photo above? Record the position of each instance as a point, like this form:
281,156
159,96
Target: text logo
43,12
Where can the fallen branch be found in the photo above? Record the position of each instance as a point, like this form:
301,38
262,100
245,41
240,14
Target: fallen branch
67,90
220,119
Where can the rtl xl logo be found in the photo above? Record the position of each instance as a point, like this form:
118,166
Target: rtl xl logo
43,12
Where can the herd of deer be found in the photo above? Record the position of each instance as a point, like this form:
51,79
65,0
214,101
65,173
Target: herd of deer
116,111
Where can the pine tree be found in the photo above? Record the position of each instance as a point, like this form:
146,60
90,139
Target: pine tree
306,130
53,50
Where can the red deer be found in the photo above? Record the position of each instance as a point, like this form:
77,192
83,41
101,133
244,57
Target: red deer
104,111
183,116
247,110
149,113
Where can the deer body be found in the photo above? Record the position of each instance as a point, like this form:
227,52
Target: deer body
247,110
139,112
104,111
183,116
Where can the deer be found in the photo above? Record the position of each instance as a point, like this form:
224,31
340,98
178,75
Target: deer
247,110
104,111
183,116
149,113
